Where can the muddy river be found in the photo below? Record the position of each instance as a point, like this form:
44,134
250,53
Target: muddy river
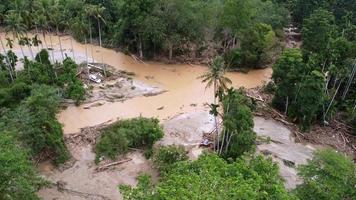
180,81
185,94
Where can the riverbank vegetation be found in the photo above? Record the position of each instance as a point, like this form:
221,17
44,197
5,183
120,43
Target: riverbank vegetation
211,177
329,175
245,32
29,101
317,82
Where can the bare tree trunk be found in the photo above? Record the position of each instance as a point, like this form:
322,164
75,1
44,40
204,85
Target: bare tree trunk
140,48
29,47
71,44
287,104
352,75
91,41
100,44
52,51
86,54
332,100
7,60
216,118
60,43
170,46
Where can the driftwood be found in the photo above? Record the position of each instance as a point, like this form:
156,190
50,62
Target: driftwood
137,59
105,167
61,187
258,98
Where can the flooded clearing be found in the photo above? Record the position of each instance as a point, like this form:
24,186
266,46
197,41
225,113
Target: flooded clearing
178,99
82,180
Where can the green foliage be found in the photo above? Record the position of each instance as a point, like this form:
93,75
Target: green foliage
36,125
255,50
11,96
299,88
18,179
164,157
318,31
309,100
122,135
328,176
238,136
211,177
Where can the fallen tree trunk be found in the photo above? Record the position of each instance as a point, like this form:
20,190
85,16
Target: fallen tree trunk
105,167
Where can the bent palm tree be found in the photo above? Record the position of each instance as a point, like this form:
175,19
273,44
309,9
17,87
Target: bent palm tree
215,77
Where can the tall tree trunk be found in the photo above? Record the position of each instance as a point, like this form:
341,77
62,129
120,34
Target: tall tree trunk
71,44
7,60
216,119
140,47
52,47
170,46
352,75
60,43
332,100
100,44
99,27
29,47
287,104
91,41
86,54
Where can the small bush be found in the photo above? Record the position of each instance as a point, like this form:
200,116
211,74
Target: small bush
134,133
165,156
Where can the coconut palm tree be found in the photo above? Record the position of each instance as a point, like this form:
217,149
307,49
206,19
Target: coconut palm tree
14,24
98,11
98,14
9,43
90,12
56,21
215,77
28,42
78,24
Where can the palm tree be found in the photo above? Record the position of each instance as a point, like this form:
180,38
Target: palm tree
215,77
27,42
79,25
14,24
9,43
98,11
56,20
71,41
90,12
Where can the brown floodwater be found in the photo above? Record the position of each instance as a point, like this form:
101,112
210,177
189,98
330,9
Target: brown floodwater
180,80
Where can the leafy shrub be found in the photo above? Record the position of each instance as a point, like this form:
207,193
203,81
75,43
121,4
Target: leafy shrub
211,177
165,156
133,133
328,176
238,136
35,123
18,179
